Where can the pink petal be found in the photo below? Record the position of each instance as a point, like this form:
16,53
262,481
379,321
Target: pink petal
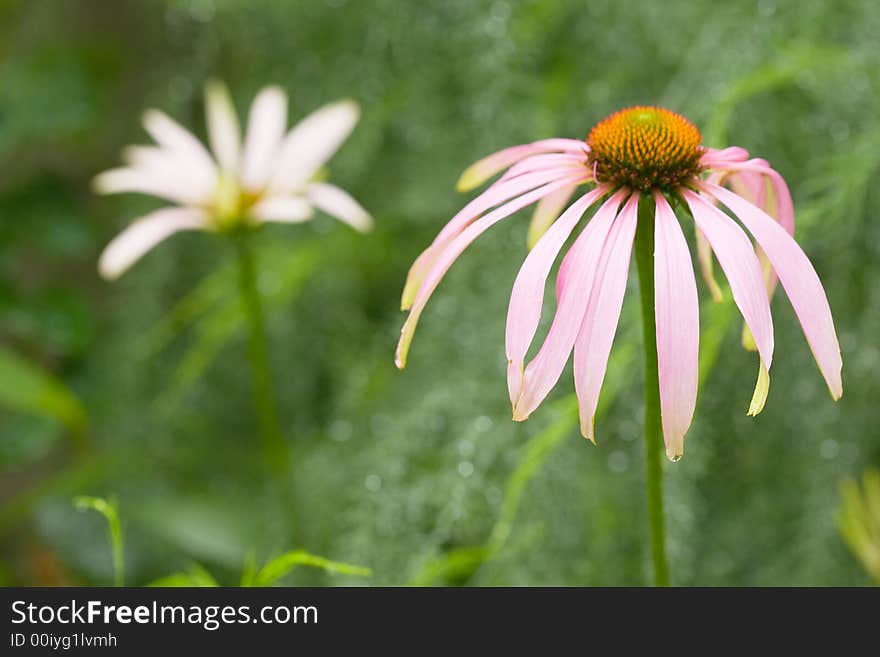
784,205
311,143
593,345
476,174
450,253
338,203
527,297
737,258
704,255
498,193
224,133
798,278
145,233
713,156
546,212
544,370
545,161
265,130
677,317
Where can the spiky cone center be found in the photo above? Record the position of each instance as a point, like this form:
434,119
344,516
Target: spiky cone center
645,148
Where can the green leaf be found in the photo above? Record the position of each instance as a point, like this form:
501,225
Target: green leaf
194,576
27,388
108,509
279,567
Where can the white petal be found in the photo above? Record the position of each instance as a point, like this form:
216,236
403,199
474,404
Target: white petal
337,203
311,143
125,179
224,133
164,164
282,209
265,130
145,233
178,140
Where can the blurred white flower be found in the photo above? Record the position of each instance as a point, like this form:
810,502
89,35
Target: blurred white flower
269,176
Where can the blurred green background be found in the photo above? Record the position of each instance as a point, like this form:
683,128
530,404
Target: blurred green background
140,389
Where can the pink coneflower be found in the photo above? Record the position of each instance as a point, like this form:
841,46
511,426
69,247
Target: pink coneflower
269,176
639,163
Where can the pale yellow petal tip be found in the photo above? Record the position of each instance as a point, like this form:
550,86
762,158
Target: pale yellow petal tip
107,273
406,336
588,431
215,87
518,416
471,178
99,184
748,340
408,296
837,394
537,228
150,115
365,224
674,453
762,388
400,355
715,291
351,107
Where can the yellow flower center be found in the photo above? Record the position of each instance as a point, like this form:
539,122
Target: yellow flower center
231,203
645,148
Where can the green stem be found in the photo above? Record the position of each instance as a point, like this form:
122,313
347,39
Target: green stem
274,450
644,248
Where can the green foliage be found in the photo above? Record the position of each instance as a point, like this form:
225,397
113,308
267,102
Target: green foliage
279,567
27,388
109,509
275,571
195,576
859,519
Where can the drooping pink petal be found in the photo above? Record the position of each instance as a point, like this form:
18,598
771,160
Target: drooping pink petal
496,194
281,209
265,130
527,297
704,254
311,143
544,370
453,249
479,172
338,203
544,161
154,183
224,132
799,280
741,267
546,212
714,157
145,233
176,139
677,317
593,344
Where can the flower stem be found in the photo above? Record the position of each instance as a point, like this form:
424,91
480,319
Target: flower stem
644,248
274,450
